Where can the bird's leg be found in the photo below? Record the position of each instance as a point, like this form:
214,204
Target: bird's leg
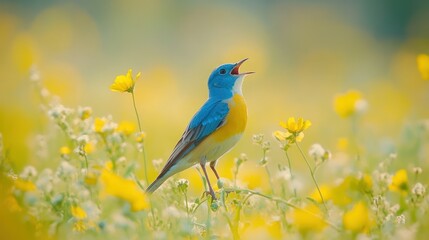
203,166
212,166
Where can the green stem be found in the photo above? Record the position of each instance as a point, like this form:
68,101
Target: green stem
140,129
135,109
86,161
312,176
186,203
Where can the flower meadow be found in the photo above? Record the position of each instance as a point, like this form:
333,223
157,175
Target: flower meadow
91,189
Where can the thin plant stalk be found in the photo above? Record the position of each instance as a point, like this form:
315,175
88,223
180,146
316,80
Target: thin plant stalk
313,177
140,129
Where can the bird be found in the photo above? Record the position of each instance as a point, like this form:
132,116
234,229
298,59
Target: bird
216,127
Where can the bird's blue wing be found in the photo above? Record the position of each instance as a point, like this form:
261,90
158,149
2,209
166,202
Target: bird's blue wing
207,120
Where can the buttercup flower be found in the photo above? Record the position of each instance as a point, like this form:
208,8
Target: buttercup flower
99,124
295,127
399,182
126,127
125,189
25,186
78,213
357,219
89,147
306,222
294,131
423,65
125,83
64,150
281,136
349,103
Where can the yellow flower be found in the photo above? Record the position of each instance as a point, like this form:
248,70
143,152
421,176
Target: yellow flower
326,191
294,131
338,194
125,189
125,83
399,182
64,150
79,226
281,136
260,227
78,212
89,147
91,178
423,65
12,204
126,127
343,144
358,218
306,220
295,127
99,124
25,186
349,103
253,179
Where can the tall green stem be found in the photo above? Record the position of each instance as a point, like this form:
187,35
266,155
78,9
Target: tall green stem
135,109
140,129
312,176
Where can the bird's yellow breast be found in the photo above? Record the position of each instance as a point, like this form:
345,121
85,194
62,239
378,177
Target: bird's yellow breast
236,120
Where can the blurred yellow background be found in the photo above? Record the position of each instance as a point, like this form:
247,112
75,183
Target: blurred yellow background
304,53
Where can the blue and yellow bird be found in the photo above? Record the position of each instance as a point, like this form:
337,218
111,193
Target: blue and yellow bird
214,129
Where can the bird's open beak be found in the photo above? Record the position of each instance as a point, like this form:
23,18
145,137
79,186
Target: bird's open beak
235,71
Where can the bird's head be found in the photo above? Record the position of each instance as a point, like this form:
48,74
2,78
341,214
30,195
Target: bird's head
226,80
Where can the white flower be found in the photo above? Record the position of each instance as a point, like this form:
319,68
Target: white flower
284,175
361,106
258,138
59,112
28,172
65,169
83,139
157,163
44,181
400,219
34,74
419,190
394,208
91,210
318,153
417,170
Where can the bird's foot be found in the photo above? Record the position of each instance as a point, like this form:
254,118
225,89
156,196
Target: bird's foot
211,193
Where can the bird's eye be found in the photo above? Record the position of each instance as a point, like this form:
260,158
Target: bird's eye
222,71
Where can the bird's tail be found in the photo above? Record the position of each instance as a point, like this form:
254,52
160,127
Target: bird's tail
155,185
